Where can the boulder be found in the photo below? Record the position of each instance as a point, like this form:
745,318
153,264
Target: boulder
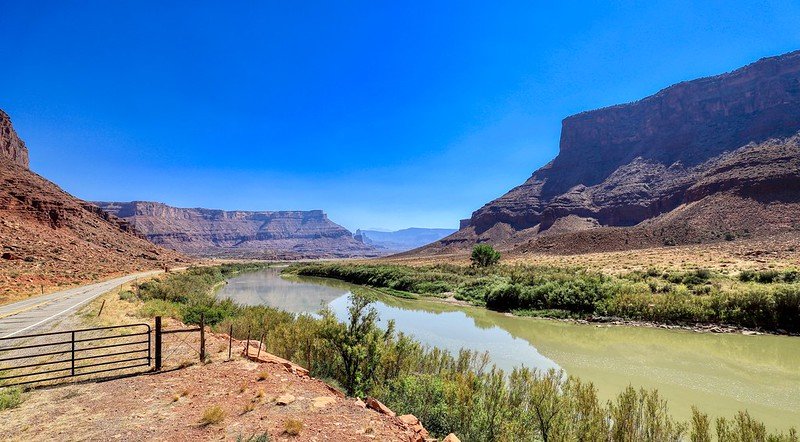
284,399
322,401
409,419
411,422
451,438
379,407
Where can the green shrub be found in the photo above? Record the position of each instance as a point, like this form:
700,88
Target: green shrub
159,307
484,255
10,397
433,287
770,276
214,311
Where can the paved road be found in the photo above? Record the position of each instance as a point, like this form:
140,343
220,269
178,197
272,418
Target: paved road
26,316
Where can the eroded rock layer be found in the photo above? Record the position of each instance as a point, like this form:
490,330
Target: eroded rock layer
49,238
247,234
730,138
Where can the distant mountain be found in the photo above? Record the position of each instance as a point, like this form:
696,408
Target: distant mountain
711,159
402,240
240,234
50,238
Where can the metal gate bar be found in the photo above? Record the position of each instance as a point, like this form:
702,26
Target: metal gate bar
16,371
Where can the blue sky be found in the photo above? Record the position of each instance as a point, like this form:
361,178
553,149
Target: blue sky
386,115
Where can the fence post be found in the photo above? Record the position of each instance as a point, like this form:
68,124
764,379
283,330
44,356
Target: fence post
158,343
202,338
230,342
259,346
72,371
247,345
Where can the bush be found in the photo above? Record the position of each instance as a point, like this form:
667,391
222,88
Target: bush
292,427
10,397
213,311
433,287
770,276
212,415
484,255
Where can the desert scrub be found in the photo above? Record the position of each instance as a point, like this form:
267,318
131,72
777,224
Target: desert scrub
212,415
10,397
263,437
187,295
768,300
770,276
292,427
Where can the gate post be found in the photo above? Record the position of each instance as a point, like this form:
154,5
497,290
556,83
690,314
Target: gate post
158,344
72,371
202,338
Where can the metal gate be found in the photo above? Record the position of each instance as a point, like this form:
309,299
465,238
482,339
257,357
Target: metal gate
59,355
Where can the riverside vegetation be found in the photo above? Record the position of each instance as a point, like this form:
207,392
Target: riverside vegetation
460,393
765,300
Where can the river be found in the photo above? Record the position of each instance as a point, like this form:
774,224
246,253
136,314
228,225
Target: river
719,373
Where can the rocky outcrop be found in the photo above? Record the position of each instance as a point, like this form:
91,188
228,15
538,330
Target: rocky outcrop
219,233
49,238
629,164
378,406
11,147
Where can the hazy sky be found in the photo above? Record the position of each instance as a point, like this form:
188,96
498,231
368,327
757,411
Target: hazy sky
386,115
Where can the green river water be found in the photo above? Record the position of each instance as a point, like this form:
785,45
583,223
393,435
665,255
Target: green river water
719,373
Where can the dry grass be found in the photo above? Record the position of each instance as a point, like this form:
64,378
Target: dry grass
292,427
248,407
263,375
177,396
212,415
727,257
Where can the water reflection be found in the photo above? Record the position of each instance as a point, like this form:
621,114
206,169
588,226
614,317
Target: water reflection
268,288
719,373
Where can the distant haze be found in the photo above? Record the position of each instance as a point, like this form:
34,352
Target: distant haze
402,240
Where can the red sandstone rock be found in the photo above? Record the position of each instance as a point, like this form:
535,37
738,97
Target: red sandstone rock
625,165
379,407
60,238
219,233
11,147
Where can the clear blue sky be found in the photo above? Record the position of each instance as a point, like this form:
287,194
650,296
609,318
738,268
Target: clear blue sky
382,114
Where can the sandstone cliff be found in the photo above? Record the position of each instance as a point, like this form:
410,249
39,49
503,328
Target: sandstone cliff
243,234
11,147
729,139
50,238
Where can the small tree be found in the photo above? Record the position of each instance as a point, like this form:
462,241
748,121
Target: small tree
358,342
484,255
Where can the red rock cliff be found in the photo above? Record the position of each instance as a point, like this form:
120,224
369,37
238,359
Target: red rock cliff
11,147
623,164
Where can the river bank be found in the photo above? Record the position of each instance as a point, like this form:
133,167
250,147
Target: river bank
698,300
721,374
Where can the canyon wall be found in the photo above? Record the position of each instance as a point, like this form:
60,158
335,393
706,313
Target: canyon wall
11,147
50,238
622,165
247,234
